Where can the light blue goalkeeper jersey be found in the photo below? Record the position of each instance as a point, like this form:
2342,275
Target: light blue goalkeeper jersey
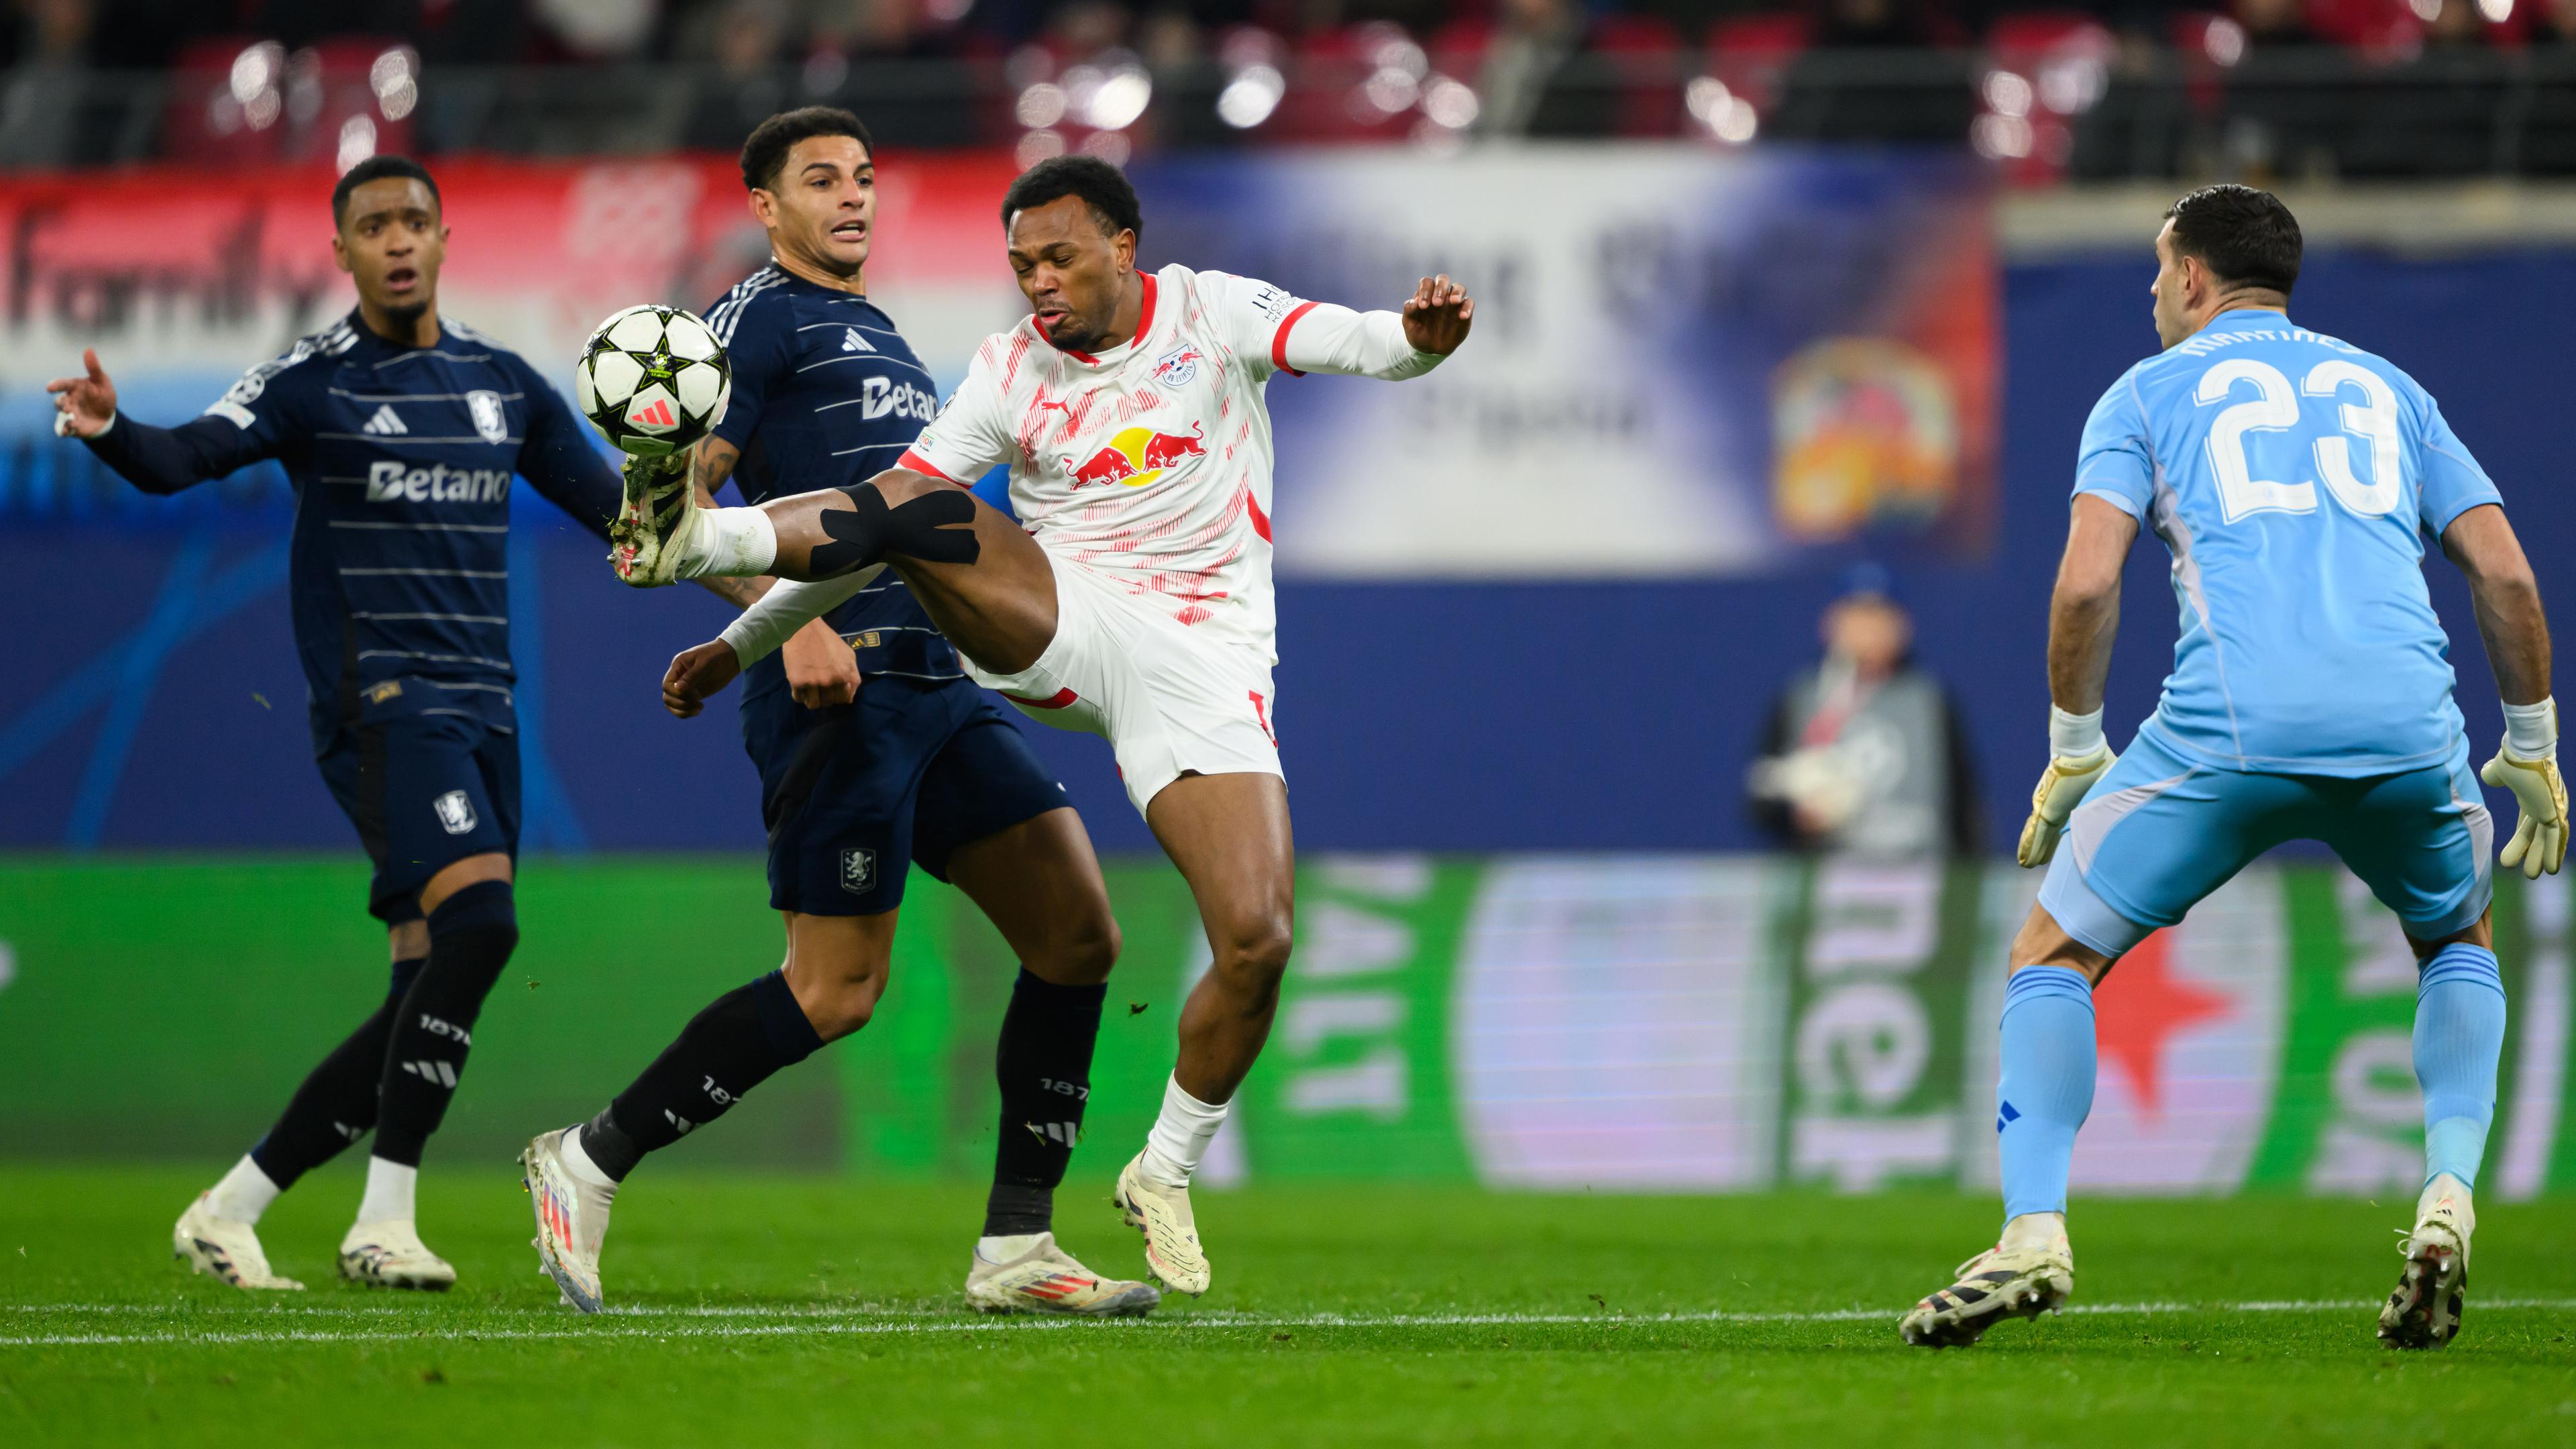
2293,477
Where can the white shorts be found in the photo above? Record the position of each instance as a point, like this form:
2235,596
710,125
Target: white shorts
1169,701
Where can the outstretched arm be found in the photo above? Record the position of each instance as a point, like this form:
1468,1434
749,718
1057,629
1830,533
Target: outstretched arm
156,460
1324,337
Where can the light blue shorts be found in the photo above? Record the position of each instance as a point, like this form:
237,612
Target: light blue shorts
2158,833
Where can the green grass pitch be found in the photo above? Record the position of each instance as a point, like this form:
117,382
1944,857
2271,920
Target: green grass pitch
774,1311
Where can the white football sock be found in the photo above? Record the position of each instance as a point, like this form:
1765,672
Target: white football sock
1180,1137
389,1192
2033,1230
578,1163
1004,1249
244,1193
729,542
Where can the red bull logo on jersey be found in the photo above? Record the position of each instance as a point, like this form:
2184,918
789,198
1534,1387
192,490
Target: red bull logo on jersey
1138,456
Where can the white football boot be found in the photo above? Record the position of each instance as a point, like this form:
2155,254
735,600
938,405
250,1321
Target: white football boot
572,1220
654,523
2424,1312
390,1254
225,1248
2031,1272
1047,1279
1163,1215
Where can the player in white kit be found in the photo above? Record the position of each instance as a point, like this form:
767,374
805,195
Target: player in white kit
1129,407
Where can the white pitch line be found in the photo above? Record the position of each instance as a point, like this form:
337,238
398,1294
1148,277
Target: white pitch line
822,1321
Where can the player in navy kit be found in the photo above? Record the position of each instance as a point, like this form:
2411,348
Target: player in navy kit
859,781
401,433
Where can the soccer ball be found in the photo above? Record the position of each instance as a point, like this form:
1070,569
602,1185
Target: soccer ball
653,380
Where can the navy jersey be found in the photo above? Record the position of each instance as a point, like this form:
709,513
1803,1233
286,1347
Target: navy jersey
402,459
826,394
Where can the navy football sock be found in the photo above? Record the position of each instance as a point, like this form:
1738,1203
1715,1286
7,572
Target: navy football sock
1044,1066
336,1104
726,1050
471,935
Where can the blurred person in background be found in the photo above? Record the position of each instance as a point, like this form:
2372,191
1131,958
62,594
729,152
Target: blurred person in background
2435,113
2284,113
1855,84
48,53
1865,754
747,40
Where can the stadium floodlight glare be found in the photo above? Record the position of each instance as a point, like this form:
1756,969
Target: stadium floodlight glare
1451,103
2223,41
1042,104
1108,97
1251,96
1037,146
1728,116
357,141
395,78
2007,93
2072,85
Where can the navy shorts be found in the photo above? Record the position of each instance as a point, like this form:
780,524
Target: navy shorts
428,779
855,794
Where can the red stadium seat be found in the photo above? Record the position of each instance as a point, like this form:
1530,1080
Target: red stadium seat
1645,52
2043,71
241,100
1751,54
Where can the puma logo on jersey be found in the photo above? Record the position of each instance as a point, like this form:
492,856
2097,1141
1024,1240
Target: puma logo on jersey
386,423
851,341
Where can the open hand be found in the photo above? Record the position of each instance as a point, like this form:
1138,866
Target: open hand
83,406
1437,316
821,670
696,674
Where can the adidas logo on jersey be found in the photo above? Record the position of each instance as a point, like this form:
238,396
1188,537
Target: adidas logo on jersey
386,423
851,341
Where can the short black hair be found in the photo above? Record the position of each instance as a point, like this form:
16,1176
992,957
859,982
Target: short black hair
378,168
765,150
2244,236
1101,186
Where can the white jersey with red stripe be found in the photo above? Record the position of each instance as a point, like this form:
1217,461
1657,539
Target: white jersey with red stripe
1150,462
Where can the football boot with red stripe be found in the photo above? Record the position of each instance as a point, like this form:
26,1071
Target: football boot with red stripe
1045,1279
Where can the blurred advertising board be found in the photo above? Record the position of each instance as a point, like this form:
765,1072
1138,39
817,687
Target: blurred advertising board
1605,1023
1684,364
183,278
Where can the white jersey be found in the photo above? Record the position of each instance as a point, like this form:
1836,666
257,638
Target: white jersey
1150,462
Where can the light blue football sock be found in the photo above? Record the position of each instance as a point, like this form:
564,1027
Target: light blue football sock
2459,1033
2046,1086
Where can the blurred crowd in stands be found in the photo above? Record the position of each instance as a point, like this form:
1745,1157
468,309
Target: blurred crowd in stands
2083,88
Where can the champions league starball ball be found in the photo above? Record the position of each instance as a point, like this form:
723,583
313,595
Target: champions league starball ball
653,380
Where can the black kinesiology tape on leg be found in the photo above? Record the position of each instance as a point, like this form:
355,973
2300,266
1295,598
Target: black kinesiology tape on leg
918,528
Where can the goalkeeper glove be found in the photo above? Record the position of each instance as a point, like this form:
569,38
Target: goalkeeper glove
2527,764
2078,756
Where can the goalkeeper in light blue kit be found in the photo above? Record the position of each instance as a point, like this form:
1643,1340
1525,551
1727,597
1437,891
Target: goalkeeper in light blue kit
2293,477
